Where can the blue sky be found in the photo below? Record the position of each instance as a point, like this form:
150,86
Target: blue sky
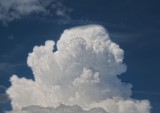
133,24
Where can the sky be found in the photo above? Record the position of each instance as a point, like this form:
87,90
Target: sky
132,24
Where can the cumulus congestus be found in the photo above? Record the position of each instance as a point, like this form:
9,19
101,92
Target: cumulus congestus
82,71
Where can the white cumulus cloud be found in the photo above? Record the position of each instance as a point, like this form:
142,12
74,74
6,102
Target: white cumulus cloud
82,71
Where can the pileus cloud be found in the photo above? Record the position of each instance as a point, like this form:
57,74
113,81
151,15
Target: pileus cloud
82,71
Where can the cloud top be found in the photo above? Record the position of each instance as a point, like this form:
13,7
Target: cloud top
83,71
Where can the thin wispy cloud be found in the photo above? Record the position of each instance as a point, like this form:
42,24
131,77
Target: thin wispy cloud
4,98
147,93
17,9
2,87
8,69
11,37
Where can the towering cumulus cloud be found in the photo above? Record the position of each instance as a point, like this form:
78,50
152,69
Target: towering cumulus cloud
80,77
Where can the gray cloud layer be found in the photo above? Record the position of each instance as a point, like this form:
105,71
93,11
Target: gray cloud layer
60,109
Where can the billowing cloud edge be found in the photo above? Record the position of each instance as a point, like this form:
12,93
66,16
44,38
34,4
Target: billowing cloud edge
83,71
